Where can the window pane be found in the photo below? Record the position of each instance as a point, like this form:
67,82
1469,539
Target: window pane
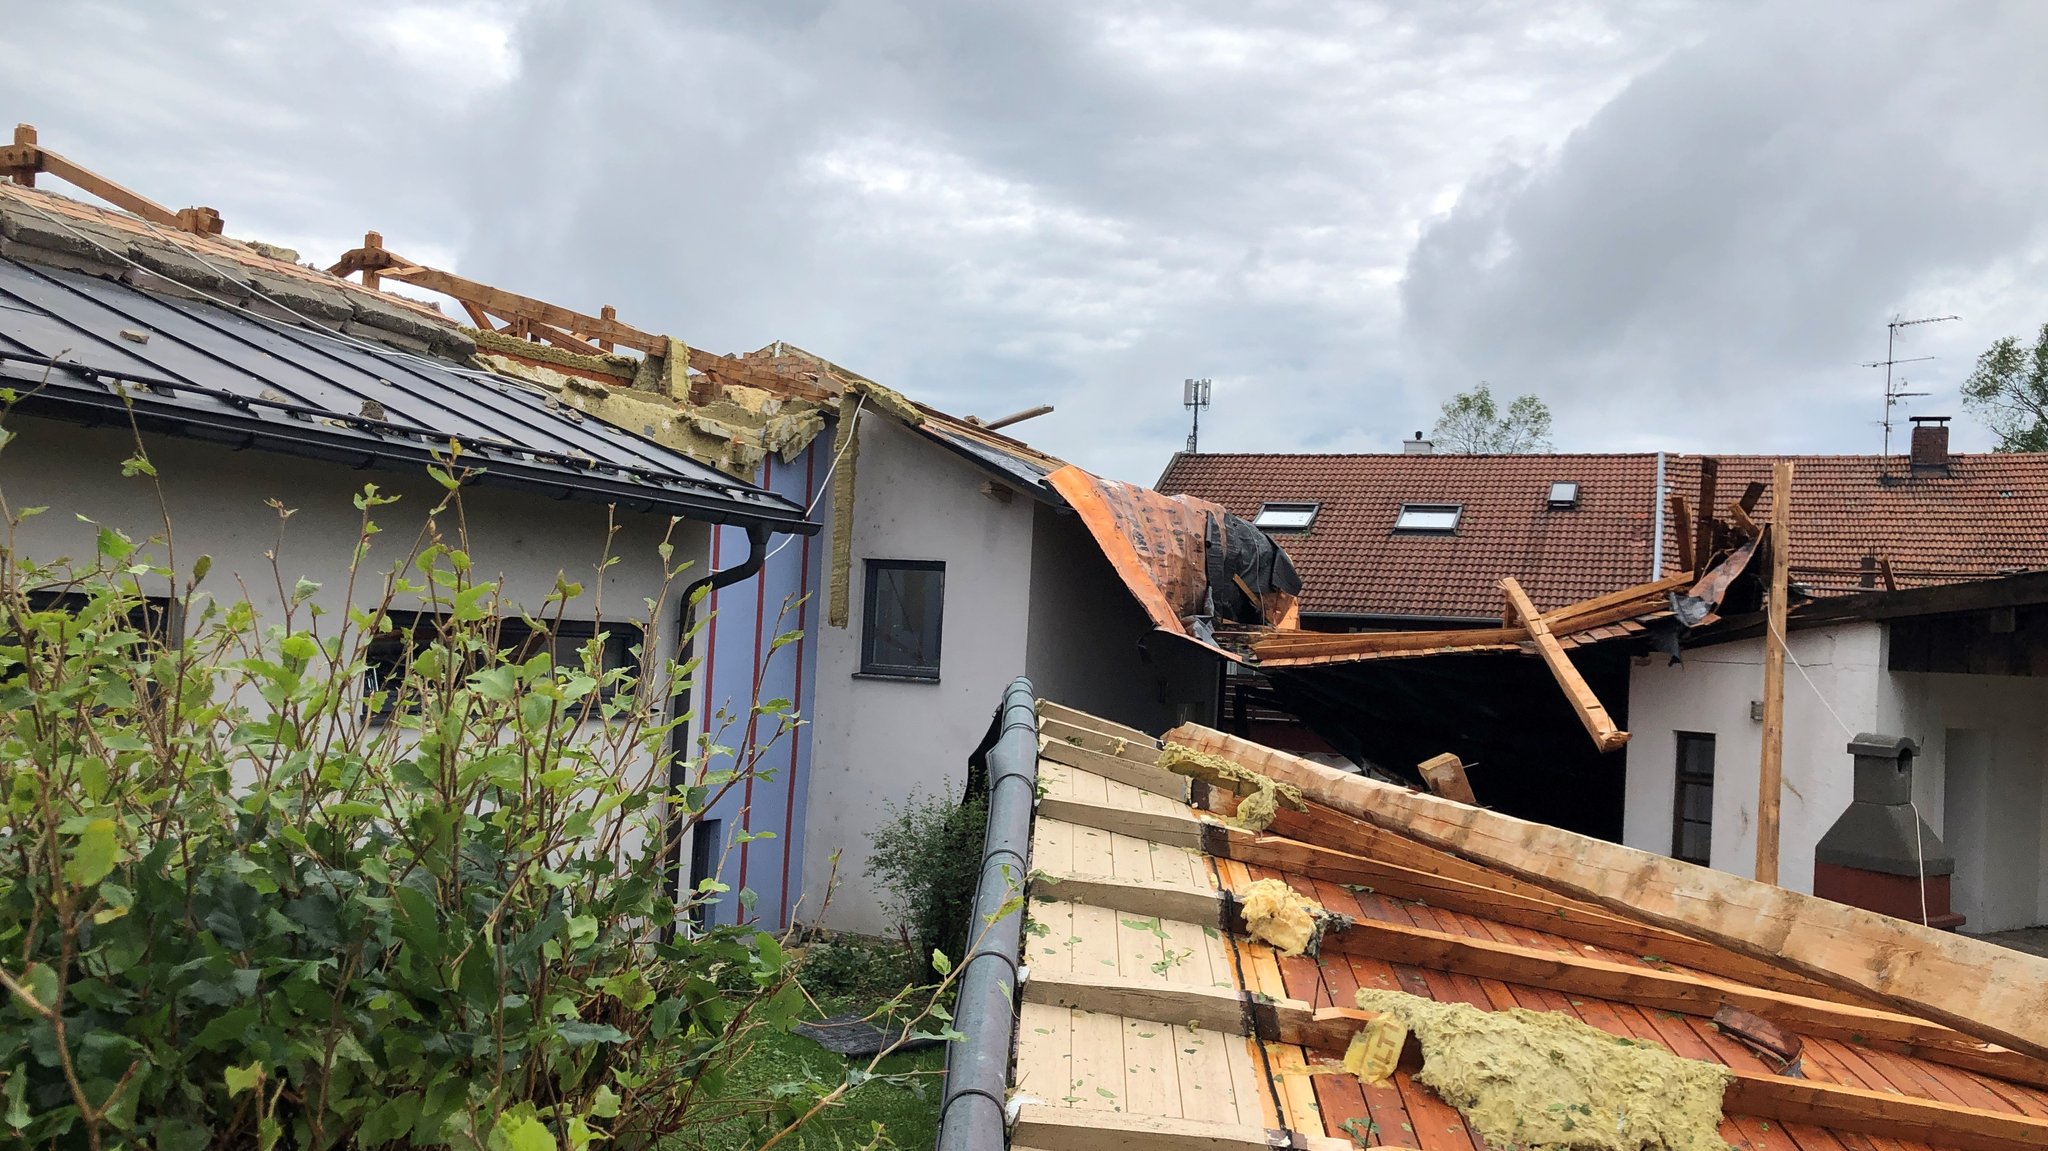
1293,517
1427,518
905,603
1695,842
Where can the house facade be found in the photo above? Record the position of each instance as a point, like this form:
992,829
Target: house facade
1961,670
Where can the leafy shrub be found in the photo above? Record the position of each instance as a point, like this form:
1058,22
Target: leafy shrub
927,861
251,901
855,968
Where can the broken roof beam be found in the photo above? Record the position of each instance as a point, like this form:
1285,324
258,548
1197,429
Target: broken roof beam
1980,989
1592,713
25,158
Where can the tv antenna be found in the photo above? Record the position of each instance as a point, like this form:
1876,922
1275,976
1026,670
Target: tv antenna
1893,392
1194,396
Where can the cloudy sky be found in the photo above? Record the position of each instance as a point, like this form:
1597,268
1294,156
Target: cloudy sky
1684,226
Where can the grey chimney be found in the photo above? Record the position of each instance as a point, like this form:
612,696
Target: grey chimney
1417,446
1879,855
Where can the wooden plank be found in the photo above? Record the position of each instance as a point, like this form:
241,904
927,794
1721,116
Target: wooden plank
1059,1129
1142,776
1151,1074
1771,763
1445,775
1857,1109
1122,746
89,181
1181,830
1201,1060
1703,531
1592,713
1681,525
1047,709
1187,903
1045,1052
1645,987
1981,989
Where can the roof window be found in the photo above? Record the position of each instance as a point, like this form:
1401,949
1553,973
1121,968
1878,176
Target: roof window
1564,494
1294,517
1429,519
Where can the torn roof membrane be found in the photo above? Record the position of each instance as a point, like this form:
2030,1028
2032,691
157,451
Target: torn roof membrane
1152,1013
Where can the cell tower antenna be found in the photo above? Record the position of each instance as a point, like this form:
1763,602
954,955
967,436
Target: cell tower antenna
1194,396
1894,393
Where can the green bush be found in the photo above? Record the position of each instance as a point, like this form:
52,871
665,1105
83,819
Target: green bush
250,901
927,862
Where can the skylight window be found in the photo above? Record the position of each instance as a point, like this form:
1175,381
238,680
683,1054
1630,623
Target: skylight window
1429,519
1286,517
1564,494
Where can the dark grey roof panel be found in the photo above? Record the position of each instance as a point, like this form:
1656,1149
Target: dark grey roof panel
214,373
1013,469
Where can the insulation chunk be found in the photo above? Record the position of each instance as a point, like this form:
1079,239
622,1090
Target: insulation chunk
1285,918
1547,1082
1262,797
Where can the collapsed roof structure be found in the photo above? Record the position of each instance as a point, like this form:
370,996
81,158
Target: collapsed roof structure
1206,916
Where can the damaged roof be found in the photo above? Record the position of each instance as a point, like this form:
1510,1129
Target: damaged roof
104,318
1354,560
1169,1000
1972,517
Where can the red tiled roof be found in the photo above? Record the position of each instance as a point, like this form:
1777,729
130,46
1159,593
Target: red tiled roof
1986,516
1352,562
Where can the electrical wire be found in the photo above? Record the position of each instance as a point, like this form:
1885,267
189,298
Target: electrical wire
1919,848
825,484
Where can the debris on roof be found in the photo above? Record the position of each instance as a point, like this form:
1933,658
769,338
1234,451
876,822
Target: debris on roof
1152,1016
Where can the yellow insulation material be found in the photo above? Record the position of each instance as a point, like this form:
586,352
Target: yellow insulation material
1542,1080
1285,918
1262,797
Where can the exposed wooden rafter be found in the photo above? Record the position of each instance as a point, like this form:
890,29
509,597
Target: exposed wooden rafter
25,159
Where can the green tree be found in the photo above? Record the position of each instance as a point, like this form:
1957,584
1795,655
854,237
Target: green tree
1472,422
2009,389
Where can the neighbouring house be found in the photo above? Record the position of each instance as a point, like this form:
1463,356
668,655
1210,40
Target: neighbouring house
267,394
1194,983
1419,542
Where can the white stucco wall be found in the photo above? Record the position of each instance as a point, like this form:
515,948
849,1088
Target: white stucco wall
1980,782
217,507
877,740
1711,693
1984,740
1093,648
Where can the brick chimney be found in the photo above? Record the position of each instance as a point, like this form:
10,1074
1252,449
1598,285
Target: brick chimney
1930,445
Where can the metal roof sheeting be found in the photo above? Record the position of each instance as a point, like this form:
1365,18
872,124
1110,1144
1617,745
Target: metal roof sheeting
69,347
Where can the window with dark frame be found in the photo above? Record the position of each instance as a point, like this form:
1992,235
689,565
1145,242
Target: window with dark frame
159,620
390,653
1692,807
900,627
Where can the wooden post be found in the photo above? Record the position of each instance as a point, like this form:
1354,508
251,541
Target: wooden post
1703,530
607,313
1770,774
25,137
375,242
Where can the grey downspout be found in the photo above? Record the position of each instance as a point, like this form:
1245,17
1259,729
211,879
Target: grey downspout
1657,540
978,1064
679,703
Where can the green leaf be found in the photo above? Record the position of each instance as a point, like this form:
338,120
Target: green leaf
604,1104
940,963
93,855
240,1079
114,545
522,1133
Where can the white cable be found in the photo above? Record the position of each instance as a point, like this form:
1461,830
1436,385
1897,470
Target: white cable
825,485
1919,848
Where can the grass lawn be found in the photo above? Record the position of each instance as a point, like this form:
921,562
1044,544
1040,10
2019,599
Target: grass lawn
909,1117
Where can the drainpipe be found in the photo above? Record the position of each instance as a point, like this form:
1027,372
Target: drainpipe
1657,540
679,704
971,1112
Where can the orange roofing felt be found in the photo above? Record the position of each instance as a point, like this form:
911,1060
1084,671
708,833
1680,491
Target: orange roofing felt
1986,515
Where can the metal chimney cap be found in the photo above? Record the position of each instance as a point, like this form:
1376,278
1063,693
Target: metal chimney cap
1887,746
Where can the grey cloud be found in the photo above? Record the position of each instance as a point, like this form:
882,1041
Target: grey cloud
1738,223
